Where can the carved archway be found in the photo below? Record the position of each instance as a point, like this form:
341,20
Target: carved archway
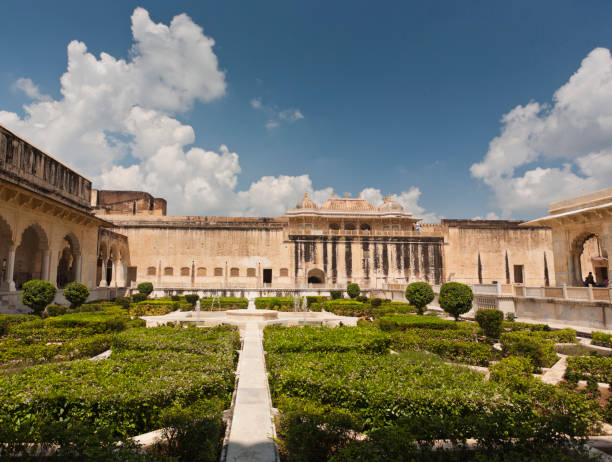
6,244
316,276
30,255
69,266
580,265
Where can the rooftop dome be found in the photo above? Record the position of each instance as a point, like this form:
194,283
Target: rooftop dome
306,203
390,206
347,203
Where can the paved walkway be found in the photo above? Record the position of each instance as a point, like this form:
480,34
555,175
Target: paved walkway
252,428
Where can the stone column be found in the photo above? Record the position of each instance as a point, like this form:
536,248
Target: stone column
113,282
124,272
10,270
103,278
77,267
46,258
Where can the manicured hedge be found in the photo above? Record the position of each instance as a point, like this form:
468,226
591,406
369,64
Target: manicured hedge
539,350
8,320
601,339
393,323
340,339
97,321
227,303
310,299
346,307
276,303
514,326
589,368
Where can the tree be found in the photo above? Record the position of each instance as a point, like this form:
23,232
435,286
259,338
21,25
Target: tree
456,298
192,298
76,293
491,322
145,288
353,290
37,294
335,294
419,295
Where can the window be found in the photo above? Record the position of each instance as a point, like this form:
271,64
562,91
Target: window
267,275
251,272
234,272
184,271
201,271
350,226
334,226
218,271
518,274
151,271
168,271
284,273
365,227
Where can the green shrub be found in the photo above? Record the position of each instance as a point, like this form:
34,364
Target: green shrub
515,372
491,322
37,294
76,293
376,302
353,290
347,308
97,322
393,323
516,326
310,299
175,298
54,310
224,303
335,294
315,307
361,298
393,308
597,369
145,288
601,339
540,351
419,294
123,302
137,298
275,303
8,320
455,298
192,298
153,307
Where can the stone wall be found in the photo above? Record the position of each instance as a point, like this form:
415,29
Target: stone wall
493,248
128,203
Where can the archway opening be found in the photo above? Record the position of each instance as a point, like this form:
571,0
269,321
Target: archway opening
316,276
29,255
6,242
593,261
67,266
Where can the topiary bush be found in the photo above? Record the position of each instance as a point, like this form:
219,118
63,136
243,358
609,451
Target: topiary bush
76,293
175,298
37,294
491,322
123,302
456,298
539,350
362,299
376,302
353,290
335,294
54,310
136,298
601,339
192,298
515,372
419,294
145,288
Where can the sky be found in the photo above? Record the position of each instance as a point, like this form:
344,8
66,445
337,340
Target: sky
473,109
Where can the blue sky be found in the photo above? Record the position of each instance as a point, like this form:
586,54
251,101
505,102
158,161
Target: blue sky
392,96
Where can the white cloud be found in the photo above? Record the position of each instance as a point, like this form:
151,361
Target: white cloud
407,199
272,124
489,216
111,108
572,138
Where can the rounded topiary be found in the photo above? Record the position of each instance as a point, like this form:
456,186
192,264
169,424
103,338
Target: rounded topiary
353,290
123,302
145,288
54,310
37,294
192,298
335,294
419,295
491,322
456,298
376,302
139,298
76,293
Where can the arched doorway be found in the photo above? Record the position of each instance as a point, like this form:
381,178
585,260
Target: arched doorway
588,256
31,256
6,244
69,264
316,276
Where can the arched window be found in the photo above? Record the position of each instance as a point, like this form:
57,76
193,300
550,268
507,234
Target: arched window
349,226
151,271
218,271
184,271
168,271
234,272
284,272
334,226
365,227
251,272
201,271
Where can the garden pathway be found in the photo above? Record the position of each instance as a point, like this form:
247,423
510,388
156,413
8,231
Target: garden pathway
252,428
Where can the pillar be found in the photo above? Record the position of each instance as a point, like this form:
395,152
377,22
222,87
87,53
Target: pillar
10,269
77,267
46,258
113,282
103,278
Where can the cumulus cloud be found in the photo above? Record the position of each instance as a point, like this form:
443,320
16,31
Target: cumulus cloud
407,199
570,139
117,121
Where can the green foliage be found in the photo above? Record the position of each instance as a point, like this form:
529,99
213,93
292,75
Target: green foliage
601,339
275,303
419,294
335,294
362,298
224,303
145,288
54,310
316,307
596,369
515,326
192,298
8,320
340,339
76,293
310,299
123,302
353,290
37,294
515,372
346,307
175,298
376,302
455,298
393,323
97,322
154,307
137,298
491,322
539,350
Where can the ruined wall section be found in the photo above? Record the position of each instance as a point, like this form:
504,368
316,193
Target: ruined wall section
499,245
128,203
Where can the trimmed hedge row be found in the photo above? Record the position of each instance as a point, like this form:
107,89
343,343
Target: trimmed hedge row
590,368
275,303
393,323
226,303
8,320
601,339
540,351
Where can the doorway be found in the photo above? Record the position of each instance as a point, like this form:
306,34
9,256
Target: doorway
267,276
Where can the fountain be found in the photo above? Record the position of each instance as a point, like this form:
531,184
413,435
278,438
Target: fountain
252,313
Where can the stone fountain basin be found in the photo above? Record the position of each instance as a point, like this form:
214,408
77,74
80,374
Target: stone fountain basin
255,315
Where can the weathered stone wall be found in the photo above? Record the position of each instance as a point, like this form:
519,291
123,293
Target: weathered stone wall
128,203
499,245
